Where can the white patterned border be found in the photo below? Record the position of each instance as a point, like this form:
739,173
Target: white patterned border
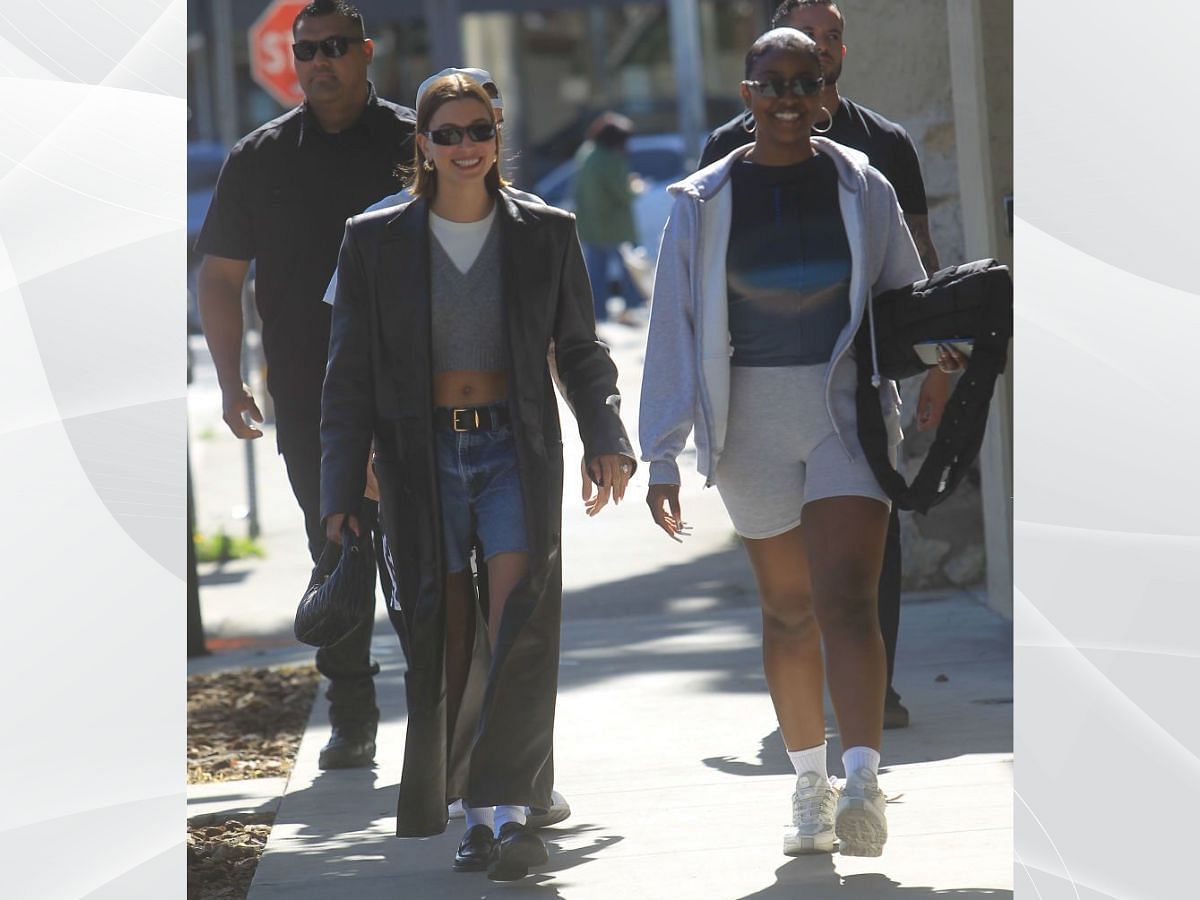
92,444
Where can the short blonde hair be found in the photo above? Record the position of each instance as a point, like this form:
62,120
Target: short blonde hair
452,87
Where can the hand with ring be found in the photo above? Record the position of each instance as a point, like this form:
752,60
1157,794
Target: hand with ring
950,360
663,500
610,474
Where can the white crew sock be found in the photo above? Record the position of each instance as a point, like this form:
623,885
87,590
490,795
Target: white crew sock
478,815
856,758
811,760
509,814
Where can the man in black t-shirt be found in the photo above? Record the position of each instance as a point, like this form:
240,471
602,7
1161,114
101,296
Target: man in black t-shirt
282,200
891,151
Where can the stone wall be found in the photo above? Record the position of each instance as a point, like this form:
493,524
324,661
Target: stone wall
898,63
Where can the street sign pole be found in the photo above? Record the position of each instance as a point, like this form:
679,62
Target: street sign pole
248,366
445,38
224,73
689,77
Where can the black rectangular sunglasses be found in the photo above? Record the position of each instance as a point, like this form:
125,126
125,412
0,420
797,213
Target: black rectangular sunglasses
449,135
331,47
779,87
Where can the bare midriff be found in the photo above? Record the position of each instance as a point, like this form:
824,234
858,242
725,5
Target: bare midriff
462,389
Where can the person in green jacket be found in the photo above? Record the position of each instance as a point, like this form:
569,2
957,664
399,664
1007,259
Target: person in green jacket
604,207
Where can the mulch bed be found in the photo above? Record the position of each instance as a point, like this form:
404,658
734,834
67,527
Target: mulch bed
242,724
222,857
247,723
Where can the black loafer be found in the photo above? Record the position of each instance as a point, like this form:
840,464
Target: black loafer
475,850
349,747
518,849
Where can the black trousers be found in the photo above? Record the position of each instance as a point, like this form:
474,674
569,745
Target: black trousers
889,596
348,664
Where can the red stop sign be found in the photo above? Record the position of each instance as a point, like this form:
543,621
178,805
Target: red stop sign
271,51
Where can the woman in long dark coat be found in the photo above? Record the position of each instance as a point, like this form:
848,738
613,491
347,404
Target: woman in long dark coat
446,370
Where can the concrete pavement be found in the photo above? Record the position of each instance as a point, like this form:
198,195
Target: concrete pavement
667,750
666,745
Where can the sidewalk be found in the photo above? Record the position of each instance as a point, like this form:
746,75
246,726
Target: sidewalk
667,750
666,745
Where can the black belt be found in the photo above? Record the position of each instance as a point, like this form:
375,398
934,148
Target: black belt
474,418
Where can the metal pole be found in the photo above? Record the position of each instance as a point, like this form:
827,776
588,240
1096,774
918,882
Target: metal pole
202,99
689,76
247,367
225,74
195,625
227,128
598,49
445,40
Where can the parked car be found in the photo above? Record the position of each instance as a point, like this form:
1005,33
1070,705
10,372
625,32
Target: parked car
656,159
649,118
204,161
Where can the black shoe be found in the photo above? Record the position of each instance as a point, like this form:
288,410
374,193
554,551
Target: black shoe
518,849
475,850
894,713
349,747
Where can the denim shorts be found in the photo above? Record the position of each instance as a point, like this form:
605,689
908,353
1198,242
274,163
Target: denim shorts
479,483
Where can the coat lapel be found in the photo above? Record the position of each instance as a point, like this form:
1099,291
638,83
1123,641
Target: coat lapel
402,294
513,247
529,266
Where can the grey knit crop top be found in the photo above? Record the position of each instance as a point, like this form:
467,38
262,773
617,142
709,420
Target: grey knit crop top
468,328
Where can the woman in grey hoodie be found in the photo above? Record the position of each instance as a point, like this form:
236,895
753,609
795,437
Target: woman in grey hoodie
767,267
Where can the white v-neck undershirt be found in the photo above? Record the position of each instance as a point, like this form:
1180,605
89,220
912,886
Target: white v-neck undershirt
462,241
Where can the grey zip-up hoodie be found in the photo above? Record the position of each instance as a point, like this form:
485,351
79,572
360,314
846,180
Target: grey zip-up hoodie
685,382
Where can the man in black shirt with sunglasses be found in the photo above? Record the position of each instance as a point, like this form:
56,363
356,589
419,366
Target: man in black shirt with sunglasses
891,151
282,200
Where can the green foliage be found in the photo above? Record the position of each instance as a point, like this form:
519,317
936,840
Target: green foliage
220,547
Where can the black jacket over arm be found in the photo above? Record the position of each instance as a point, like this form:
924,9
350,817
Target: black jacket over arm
379,385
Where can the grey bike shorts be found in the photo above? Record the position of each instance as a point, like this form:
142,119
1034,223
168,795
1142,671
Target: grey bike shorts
781,451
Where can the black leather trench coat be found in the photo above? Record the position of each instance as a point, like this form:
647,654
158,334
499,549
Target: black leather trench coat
378,384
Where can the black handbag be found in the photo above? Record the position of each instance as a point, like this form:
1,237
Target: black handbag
974,302
340,597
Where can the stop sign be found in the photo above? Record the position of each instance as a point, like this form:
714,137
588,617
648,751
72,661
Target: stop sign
271,63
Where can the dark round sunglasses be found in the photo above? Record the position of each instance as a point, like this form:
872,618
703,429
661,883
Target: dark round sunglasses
779,87
449,135
331,47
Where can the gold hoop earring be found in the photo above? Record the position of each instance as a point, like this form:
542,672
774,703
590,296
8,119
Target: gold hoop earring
747,117
829,116
427,166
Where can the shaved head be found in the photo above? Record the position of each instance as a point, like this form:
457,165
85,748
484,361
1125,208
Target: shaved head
788,39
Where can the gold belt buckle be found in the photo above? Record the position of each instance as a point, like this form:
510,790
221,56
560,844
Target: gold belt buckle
454,416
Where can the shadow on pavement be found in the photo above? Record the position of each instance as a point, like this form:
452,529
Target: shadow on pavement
722,579
716,634
324,853
772,759
221,576
814,877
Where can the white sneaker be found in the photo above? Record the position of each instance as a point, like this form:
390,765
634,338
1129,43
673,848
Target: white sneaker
559,810
455,810
813,805
861,824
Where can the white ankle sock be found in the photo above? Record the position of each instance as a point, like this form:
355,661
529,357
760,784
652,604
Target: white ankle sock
509,814
478,815
856,758
810,760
